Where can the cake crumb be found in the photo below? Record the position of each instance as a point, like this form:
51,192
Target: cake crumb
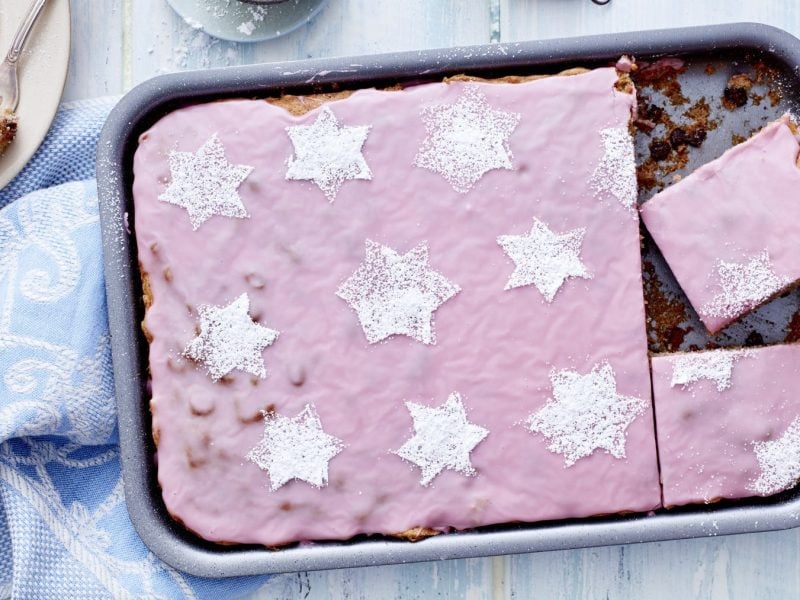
736,91
8,129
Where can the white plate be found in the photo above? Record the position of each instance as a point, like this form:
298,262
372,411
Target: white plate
42,74
237,21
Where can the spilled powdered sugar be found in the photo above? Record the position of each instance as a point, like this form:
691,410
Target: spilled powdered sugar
328,153
779,461
585,414
466,139
443,439
246,28
544,258
229,339
396,294
714,365
295,448
205,183
744,286
616,172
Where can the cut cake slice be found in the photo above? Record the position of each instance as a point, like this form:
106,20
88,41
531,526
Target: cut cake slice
728,423
728,231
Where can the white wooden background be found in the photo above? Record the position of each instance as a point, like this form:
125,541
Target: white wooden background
118,43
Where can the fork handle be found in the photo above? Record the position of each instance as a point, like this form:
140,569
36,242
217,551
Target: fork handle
24,29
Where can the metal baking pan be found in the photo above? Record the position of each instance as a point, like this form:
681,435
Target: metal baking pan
728,48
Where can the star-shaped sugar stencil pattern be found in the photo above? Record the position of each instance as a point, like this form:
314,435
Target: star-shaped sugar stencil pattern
229,339
466,139
443,439
544,258
779,460
396,294
615,174
713,365
295,448
743,286
328,153
205,183
586,413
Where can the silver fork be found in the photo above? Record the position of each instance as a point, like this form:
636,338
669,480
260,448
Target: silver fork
9,88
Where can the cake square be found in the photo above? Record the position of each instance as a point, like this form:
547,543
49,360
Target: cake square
399,311
727,230
728,423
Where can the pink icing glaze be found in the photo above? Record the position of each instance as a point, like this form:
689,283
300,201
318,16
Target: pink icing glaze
495,347
705,436
731,209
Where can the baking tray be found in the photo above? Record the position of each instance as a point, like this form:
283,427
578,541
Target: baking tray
728,48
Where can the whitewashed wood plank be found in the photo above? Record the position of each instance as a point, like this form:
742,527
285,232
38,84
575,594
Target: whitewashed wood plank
541,19
353,27
163,42
96,61
730,568
470,579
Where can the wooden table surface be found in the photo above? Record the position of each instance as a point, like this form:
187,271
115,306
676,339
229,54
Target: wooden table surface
118,43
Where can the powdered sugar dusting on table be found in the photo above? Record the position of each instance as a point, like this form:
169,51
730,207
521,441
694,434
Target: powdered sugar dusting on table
586,413
466,139
246,28
396,294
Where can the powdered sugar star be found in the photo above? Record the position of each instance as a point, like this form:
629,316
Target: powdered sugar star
779,460
616,172
744,286
396,294
443,438
586,413
466,139
714,365
229,339
328,153
544,258
205,183
295,448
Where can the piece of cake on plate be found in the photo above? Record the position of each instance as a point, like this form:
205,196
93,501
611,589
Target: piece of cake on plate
728,230
728,423
8,128
397,312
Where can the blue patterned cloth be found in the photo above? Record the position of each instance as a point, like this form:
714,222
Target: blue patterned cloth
64,528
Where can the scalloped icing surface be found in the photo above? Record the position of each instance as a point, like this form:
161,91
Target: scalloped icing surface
707,437
495,347
724,217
